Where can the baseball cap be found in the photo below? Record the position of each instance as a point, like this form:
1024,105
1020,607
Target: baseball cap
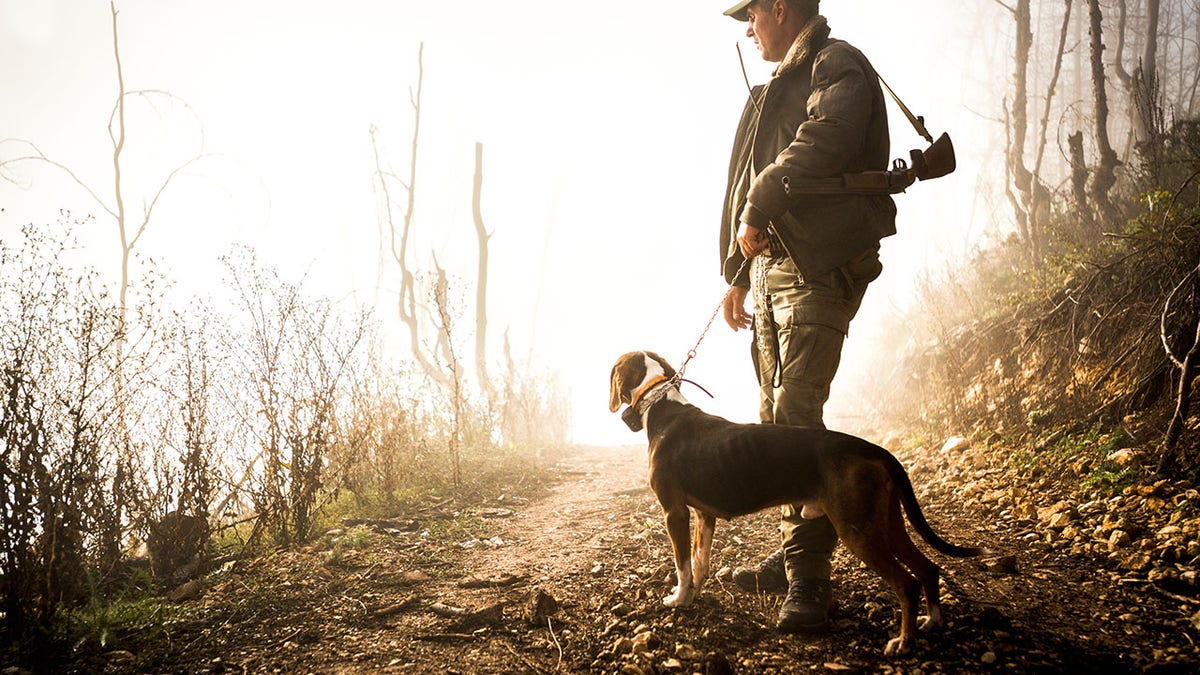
738,11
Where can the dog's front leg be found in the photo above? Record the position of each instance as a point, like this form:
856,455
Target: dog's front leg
702,549
679,531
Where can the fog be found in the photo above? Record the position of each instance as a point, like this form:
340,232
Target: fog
606,130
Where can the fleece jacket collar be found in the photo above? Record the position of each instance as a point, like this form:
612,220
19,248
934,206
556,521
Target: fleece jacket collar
811,39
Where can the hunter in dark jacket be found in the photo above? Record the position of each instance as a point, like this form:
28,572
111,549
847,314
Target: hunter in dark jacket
821,115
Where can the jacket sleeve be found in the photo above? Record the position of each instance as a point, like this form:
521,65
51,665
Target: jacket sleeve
830,142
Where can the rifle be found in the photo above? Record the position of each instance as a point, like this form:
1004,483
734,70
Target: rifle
933,162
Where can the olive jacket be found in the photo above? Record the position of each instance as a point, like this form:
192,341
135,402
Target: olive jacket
820,115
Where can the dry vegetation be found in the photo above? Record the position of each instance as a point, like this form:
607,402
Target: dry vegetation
240,426
1094,334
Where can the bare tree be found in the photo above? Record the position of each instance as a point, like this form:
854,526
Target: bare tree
129,230
1104,176
1031,202
481,279
399,234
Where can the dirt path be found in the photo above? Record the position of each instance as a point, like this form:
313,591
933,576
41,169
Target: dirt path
457,596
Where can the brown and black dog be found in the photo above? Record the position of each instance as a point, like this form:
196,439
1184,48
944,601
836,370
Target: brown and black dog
722,470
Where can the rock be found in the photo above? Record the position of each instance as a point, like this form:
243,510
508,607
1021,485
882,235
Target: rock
620,609
956,444
538,607
415,577
1005,564
187,591
1118,539
622,645
989,657
838,668
672,664
1060,520
1045,514
687,652
644,642
1125,457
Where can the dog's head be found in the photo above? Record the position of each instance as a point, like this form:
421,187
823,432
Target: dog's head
633,374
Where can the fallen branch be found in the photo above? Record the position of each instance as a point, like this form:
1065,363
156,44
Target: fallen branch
1187,372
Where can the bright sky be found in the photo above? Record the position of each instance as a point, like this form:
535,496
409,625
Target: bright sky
606,128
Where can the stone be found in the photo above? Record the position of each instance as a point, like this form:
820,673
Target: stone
539,607
187,591
988,657
1125,457
687,652
644,642
956,444
1118,539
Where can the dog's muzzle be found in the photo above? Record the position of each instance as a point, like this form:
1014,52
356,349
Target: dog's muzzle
632,419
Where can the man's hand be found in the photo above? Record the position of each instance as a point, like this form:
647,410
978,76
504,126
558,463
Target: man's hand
751,240
735,308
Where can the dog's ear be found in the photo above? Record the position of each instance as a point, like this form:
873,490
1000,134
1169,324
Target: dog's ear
668,371
614,391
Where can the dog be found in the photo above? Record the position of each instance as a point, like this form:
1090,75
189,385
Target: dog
722,470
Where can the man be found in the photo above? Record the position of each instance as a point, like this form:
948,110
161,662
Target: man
821,115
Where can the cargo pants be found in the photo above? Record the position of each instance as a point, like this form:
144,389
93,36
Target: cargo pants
795,361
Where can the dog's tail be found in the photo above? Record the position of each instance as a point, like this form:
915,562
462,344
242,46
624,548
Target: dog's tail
917,518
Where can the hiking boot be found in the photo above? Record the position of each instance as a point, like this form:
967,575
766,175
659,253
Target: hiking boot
767,575
806,607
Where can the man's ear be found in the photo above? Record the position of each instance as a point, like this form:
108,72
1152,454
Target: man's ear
779,10
614,391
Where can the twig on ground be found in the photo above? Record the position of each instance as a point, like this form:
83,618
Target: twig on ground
550,626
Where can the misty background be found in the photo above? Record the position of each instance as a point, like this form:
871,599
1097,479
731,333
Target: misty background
606,130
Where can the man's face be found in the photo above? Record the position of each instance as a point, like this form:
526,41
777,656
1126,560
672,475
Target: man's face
765,25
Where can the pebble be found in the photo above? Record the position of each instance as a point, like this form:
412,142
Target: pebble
988,657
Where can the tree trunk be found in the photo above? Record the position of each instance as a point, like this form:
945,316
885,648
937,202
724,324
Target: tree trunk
481,280
1032,195
1105,175
1079,174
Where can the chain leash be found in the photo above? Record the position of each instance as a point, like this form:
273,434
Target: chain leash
704,333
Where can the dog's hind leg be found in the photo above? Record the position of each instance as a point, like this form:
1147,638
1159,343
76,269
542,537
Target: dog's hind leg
702,548
679,530
922,567
861,518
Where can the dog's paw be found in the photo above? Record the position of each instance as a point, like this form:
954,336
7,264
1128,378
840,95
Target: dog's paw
678,598
931,622
897,647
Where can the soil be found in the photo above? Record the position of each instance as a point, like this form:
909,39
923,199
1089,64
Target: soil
572,581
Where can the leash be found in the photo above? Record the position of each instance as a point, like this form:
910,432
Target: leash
704,333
